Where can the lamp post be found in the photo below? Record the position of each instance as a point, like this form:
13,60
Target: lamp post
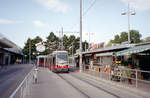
30,52
80,36
128,13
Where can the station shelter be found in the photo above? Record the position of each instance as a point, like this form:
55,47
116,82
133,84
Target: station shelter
137,57
100,58
130,56
9,52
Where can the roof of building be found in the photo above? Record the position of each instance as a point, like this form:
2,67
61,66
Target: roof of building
122,46
136,49
8,45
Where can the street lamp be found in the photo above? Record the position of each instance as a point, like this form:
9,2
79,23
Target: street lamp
80,35
128,13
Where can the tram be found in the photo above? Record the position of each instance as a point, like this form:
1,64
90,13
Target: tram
44,61
60,61
57,61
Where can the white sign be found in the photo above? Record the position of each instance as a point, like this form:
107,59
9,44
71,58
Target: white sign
40,48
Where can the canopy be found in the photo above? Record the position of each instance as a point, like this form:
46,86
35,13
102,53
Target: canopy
135,49
105,54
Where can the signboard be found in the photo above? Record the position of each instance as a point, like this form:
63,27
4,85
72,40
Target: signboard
40,47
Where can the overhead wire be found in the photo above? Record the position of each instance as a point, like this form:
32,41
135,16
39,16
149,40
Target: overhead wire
86,11
92,4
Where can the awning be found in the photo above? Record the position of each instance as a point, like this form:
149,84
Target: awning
135,49
105,54
88,55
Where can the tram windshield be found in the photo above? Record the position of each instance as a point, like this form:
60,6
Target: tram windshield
62,58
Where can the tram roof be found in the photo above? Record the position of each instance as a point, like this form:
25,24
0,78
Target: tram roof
42,56
59,52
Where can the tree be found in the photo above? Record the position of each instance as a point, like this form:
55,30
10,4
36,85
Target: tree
116,39
135,37
33,42
26,47
147,39
109,44
84,45
123,37
51,43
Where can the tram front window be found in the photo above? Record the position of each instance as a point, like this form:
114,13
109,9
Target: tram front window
62,58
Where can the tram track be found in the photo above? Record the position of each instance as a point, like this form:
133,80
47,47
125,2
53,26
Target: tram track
76,88
95,86
87,82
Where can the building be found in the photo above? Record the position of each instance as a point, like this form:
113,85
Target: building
9,52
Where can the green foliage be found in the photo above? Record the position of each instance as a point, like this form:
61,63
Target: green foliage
109,44
33,47
116,39
85,45
147,39
123,37
135,37
52,44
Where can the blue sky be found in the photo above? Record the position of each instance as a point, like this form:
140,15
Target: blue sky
20,19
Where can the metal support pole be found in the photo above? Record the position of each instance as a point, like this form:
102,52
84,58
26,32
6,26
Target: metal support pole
136,78
129,23
30,52
62,46
80,35
21,93
44,61
38,61
72,53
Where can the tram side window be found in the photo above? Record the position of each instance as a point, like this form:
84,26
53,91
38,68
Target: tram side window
41,60
54,61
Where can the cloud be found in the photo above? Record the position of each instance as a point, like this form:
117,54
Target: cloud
138,4
6,21
55,5
38,24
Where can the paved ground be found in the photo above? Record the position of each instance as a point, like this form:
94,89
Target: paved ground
74,85
50,85
11,76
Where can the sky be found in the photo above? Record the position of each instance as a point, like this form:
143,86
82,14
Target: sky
102,19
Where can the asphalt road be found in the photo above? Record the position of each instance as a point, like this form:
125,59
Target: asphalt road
11,77
73,85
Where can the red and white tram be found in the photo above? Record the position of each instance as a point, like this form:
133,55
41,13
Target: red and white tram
44,61
60,61
57,61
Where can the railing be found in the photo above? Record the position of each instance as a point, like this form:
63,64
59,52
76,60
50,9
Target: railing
124,76
23,89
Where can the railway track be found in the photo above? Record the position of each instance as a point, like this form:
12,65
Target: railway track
84,94
85,81
95,86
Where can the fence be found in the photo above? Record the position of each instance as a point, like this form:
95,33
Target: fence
24,88
125,76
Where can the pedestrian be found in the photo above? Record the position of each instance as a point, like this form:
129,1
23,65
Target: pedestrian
35,75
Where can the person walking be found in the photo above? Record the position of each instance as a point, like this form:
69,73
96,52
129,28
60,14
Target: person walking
35,75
